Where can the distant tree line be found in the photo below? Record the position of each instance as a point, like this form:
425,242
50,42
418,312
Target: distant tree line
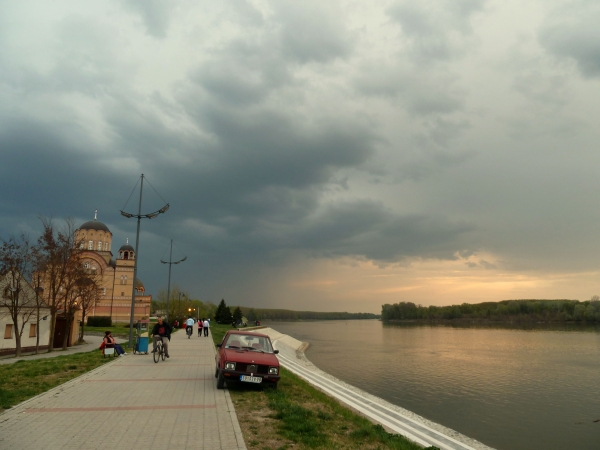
181,305
506,310
253,314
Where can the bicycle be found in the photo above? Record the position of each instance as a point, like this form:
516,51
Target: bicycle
160,351
188,331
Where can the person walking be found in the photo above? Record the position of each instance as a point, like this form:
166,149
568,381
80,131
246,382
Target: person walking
200,326
206,325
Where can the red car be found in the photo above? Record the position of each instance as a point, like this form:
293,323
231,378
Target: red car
244,357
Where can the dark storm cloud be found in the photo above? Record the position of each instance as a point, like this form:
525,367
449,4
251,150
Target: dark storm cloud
436,30
312,31
154,15
418,92
283,132
243,72
572,32
366,229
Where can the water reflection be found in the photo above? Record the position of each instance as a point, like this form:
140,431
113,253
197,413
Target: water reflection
510,387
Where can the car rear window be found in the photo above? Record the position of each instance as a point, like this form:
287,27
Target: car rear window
249,342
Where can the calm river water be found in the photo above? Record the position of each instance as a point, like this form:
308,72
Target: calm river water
508,388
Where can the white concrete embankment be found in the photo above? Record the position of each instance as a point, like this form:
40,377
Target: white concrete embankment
399,420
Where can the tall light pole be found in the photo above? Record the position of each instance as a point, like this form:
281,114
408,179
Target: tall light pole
139,216
170,262
179,304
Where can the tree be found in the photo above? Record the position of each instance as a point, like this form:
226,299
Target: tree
178,303
58,253
223,313
237,315
88,297
17,295
36,282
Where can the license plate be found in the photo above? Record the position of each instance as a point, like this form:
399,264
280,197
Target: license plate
250,379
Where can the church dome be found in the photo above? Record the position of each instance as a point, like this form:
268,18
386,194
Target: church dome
94,236
127,247
138,284
126,251
94,225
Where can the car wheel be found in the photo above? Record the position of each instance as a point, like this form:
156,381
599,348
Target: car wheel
274,385
220,381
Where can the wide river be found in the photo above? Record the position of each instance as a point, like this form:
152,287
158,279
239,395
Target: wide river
508,388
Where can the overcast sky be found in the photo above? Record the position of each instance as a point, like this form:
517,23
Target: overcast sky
317,155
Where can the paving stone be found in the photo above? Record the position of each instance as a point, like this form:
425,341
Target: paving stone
132,402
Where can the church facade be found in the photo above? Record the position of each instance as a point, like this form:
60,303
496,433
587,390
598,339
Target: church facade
115,274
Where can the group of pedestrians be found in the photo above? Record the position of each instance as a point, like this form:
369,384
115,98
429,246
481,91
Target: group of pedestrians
203,324
160,332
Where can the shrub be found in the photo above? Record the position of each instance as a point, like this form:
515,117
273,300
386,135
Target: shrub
99,321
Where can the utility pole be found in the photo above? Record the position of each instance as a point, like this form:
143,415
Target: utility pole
139,216
170,262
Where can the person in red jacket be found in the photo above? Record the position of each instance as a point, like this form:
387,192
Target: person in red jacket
108,339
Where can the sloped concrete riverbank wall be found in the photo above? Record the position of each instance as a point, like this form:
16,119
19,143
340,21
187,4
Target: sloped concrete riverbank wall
394,418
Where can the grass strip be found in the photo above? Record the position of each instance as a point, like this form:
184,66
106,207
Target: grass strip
299,416
25,379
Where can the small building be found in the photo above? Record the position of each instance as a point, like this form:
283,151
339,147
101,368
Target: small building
8,345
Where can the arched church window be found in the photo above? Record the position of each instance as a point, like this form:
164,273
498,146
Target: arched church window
86,265
126,255
106,246
91,245
99,246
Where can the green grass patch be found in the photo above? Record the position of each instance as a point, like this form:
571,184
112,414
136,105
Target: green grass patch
218,331
25,379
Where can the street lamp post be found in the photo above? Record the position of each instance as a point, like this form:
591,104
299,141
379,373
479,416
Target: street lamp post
139,216
170,262
181,294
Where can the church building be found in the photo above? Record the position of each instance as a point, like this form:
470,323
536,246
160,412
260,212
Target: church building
116,275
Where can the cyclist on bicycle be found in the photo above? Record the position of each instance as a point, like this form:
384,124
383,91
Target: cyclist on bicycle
160,331
189,325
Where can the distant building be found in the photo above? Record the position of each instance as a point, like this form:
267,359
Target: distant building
116,275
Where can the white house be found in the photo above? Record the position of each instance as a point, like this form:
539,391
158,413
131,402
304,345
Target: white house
30,331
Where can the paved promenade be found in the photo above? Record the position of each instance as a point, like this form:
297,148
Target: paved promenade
132,403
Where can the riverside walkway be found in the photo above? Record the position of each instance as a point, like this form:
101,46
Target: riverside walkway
132,403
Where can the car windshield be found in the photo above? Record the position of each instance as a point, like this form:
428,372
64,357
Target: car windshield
248,342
